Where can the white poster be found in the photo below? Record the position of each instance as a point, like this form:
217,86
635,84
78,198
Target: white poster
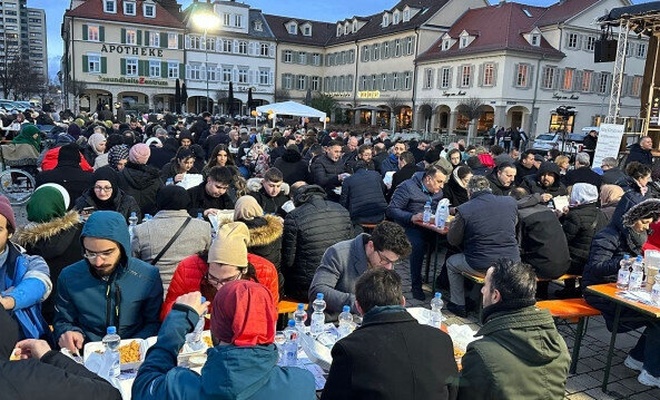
609,142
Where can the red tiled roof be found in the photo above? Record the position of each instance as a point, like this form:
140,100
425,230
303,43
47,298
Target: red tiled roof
93,9
507,34
563,10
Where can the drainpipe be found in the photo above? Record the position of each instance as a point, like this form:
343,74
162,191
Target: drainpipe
355,81
532,120
414,80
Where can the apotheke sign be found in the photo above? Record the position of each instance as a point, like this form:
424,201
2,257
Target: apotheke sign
132,50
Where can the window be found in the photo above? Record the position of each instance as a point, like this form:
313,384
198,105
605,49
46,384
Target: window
258,26
464,42
396,17
567,83
446,44
288,56
194,72
131,67
300,82
351,56
131,36
383,81
590,43
154,68
355,26
316,60
375,51
466,76
489,75
302,58
307,30
585,85
572,40
226,45
243,74
386,20
315,83
340,30
93,33
242,47
365,53
210,44
292,29
630,49
129,8
536,40
172,41
397,47
238,21
386,50
444,77
149,10
287,81
549,77
226,73
363,82
109,6
226,19
93,64
636,89
603,82
264,74
641,50
212,72
264,49
154,39
428,78
407,79
406,15
409,45
522,75
173,69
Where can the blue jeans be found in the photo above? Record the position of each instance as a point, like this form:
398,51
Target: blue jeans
419,239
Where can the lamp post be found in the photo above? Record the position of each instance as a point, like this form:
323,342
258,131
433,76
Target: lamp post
206,21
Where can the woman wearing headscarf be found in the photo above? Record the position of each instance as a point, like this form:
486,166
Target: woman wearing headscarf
105,194
456,188
95,147
610,195
607,250
140,180
241,365
580,224
102,159
31,135
118,157
52,233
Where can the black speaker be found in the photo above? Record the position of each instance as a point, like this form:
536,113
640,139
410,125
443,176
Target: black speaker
605,50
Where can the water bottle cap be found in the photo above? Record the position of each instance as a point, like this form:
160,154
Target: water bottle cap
428,203
203,300
640,258
111,330
301,307
319,296
133,214
291,323
626,256
199,215
346,309
438,295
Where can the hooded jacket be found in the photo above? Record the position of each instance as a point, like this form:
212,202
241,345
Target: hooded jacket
130,298
142,182
521,356
497,187
67,173
266,238
292,166
53,377
230,372
580,226
313,226
532,183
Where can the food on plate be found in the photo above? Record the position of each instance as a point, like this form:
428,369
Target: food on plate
207,340
129,353
458,353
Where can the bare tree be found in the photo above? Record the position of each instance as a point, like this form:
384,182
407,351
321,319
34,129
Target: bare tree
75,88
395,104
472,108
281,95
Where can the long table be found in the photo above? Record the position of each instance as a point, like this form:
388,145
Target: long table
610,292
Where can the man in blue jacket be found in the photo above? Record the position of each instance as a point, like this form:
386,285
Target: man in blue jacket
107,288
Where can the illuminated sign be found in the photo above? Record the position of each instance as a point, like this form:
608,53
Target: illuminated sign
369,94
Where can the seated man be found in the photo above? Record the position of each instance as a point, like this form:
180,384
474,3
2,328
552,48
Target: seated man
343,263
270,196
370,362
521,354
211,196
547,182
108,288
582,172
328,170
363,195
502,179
485,227
525,166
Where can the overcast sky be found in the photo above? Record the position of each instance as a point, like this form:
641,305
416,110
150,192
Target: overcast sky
328,10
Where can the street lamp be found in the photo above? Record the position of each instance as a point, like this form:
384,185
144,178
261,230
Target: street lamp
206,21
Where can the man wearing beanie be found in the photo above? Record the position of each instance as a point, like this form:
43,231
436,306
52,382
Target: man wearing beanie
24,280
151,238
140,180
68,172
227,260
107,288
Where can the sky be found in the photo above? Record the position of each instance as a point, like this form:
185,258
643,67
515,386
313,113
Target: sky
329,11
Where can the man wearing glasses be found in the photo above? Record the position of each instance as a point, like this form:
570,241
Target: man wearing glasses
346,261
107,288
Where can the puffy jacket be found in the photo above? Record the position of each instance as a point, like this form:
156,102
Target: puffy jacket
532,184
230,372
190,272
401,176
325,173
362,195
130,298
580,226
409,199
292,166
68,173
312,227
266,238
521,356
639,154
50,161
632,195
142,182
124,204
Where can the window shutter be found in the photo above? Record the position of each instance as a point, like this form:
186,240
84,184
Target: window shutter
163,40
123,35
85,32
471,75
85,66
182,71
102,33
577,81
562,75
516,67
122,63
139,37
494,74
142,67
180,42
480,81
163,69
104,65
530,78
147,42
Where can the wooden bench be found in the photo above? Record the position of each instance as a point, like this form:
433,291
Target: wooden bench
480,280
571,311
368,227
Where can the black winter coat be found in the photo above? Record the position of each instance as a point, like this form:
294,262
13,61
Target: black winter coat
532,183
124,204
325,173
580,226
200,200
142,182
362,194
399,176
454,192
639,154
292,166
270,205
309,230
71,177
266,241
497,187
632,195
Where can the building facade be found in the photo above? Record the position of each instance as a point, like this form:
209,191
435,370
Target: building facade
37,40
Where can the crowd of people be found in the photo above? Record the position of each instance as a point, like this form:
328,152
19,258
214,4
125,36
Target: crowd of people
131,223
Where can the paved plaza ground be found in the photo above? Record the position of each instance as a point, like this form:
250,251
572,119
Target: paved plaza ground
585,384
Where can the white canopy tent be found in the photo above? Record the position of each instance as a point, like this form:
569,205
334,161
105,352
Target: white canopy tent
292,108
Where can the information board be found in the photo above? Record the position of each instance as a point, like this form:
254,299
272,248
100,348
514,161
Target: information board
609,142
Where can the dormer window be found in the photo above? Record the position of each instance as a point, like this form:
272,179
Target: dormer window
346,29
464,42
386,20
340,30
396,16
258,26
535,40
292,28
129,8
355,26
406,15
446,44
110,6
149,10
307,30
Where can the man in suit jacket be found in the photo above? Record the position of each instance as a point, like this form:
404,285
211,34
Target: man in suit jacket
391,356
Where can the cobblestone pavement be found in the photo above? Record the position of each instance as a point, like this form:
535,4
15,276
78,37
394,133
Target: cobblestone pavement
585,383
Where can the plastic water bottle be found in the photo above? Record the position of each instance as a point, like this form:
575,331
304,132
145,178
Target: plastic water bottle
441,214
637,274
346,325
655,291
132,223
435,319
300,316
200,216
623,277
147,217
194,338
427,213
317,325
111,342
291,344
169,181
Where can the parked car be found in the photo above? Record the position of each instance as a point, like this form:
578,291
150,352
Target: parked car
548,141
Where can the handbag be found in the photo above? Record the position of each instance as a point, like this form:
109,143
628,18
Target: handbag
167,246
